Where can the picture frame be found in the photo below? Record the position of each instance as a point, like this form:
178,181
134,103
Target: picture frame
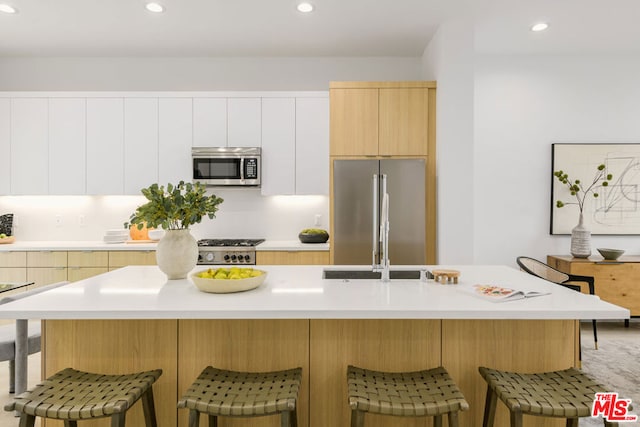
616,210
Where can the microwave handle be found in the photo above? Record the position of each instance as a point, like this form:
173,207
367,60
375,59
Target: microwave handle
242,169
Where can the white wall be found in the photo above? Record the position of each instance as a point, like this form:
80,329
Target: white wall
522,105
186,74
448,59
245,213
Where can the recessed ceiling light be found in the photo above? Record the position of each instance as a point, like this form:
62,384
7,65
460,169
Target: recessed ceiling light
7,9
305,7
154,7
541,26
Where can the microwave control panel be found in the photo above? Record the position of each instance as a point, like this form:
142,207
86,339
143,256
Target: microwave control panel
251,168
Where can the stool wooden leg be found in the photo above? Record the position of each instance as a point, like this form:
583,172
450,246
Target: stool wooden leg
294,417
149,409
516,419
285,419
572,422
489,408
194,418
453,419
117,420
70,423
27,420
437,421
213,421
357,418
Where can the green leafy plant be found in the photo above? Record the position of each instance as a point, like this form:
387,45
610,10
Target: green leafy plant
177,207
579,190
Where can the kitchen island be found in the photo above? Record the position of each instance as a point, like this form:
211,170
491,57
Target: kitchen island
133,319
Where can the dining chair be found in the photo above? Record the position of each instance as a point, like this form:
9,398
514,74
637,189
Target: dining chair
546,272
8,333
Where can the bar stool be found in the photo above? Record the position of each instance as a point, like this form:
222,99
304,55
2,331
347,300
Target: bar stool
72,395
218,392
407,394
561,394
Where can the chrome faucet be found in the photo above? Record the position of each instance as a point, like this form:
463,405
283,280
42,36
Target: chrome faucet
382,241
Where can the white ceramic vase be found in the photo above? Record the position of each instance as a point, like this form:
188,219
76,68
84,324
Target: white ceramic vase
177,253
580,240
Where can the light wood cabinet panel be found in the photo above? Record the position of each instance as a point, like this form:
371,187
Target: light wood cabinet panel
46,259
312,146
29,146
88,259
292,257
101,346
119,259
512,345
244,345
615,282
67,146
140,144
105,146
387,345
210,122
354,122
244,121
42,276
13,274
13,259
175,139
5,144
78,273
404,122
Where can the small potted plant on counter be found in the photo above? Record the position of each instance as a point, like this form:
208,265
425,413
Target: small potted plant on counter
175,208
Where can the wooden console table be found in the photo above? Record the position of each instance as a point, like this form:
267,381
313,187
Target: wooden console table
617,282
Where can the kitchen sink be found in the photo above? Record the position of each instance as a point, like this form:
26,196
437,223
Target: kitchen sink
368,274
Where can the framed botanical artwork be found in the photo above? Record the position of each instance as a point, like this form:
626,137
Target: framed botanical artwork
616,209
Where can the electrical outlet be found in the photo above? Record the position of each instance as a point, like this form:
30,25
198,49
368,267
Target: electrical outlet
317,220
81,220
58,220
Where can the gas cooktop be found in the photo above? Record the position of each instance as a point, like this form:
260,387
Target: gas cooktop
230,242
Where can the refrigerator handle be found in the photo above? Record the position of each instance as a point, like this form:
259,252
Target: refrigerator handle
375,243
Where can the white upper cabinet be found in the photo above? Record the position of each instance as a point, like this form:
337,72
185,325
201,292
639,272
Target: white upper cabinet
244,122
312,146
278,146
210,122
29,146
67,146
175,140
140,144
5,145
105,146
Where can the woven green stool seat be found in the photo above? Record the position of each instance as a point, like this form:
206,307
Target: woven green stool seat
73,395
406,394
218,392
561,394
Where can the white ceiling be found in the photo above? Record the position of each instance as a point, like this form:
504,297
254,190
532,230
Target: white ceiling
349,28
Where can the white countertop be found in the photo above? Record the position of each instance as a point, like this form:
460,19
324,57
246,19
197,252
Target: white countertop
299,292
97,245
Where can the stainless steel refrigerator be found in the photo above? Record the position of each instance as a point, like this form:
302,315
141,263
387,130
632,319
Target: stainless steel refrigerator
356,211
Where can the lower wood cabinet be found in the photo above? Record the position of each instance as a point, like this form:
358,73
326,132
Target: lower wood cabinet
615,281
323,348
118,259
292,257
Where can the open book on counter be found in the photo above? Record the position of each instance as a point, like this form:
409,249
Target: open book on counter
500,294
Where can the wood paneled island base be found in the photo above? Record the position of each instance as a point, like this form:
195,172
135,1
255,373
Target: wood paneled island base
322,347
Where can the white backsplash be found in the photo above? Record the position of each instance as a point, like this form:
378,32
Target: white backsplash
244,214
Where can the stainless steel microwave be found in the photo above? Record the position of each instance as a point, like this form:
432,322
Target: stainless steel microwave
227,166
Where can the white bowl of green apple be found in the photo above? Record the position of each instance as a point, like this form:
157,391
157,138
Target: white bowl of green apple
228,279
